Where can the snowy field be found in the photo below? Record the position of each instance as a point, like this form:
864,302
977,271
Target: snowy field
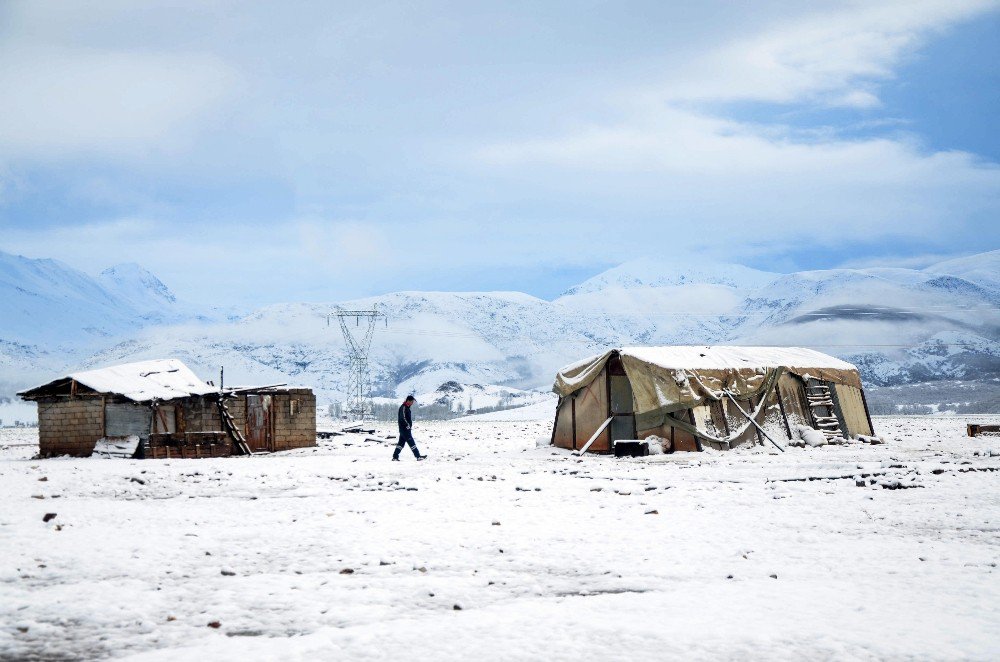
495,549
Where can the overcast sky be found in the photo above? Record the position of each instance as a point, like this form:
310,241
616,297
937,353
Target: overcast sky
325,150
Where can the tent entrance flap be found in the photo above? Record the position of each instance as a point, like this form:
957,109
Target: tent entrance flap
620,398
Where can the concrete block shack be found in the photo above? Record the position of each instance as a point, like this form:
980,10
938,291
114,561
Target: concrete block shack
162,409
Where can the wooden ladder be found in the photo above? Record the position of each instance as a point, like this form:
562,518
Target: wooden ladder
821,407
239,443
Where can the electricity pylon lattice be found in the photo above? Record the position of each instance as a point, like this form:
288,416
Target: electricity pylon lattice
359,382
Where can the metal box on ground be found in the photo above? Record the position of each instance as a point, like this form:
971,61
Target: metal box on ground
631,448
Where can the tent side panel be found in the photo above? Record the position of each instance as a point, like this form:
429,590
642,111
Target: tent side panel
736,420
771,418
563,434
680,440
591,412
793,399
853,409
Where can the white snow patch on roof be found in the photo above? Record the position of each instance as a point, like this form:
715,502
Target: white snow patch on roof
732,357
157,379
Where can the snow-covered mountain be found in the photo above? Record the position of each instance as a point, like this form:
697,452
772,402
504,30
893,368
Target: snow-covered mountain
55,315
898,325
647,272
982,269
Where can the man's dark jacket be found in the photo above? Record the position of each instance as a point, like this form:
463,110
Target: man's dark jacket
405,422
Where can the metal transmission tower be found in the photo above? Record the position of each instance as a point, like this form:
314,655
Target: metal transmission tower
359,386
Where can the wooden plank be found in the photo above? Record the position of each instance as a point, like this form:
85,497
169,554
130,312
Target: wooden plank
597,434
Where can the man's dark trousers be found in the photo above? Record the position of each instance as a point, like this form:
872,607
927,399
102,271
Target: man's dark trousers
405,437
405,420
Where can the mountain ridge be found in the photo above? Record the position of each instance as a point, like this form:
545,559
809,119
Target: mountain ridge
515,340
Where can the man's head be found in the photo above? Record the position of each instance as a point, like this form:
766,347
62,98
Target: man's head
409,400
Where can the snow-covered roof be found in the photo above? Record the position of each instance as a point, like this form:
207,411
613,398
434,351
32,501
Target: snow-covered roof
722,357
663,376
142,381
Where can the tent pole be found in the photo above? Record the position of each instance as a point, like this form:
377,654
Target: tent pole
572,406
555,424
781,406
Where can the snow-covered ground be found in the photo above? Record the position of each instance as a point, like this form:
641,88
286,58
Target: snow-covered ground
497,549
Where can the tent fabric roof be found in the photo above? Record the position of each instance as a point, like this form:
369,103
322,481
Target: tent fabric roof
158,379
674,377
695,357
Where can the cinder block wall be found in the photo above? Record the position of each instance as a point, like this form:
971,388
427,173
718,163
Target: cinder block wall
298,430
289,431
202,414
70,426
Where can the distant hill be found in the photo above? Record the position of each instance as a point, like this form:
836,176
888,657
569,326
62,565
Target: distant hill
900,326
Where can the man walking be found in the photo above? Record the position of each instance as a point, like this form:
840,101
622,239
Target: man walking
405,420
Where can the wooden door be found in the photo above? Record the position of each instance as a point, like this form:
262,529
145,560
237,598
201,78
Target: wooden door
259,423
623,426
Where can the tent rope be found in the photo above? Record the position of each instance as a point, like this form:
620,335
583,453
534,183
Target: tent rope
769,384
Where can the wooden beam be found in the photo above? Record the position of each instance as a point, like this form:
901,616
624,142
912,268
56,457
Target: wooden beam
597,434
751,419
781,408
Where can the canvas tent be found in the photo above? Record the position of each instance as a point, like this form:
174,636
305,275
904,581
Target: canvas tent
694,397
160,409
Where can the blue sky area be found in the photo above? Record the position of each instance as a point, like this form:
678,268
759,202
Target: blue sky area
326,151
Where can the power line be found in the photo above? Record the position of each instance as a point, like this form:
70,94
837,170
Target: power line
456,334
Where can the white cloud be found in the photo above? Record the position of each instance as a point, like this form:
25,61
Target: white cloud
591,138
758,184
68,102
827,56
